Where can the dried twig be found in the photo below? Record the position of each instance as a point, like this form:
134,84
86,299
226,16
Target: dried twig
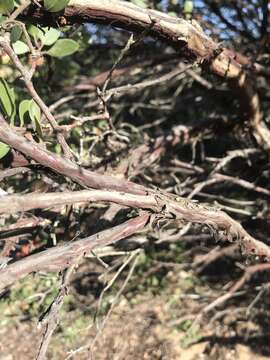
90,347
63,256
251,270
11,172
51,318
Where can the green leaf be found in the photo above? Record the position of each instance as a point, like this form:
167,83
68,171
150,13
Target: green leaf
2,18
4,149
50,37
63,47
188,6
35,115
34,111
141,3
34,31
47,36
20,47
6,6
23,110
15,33
55,5
7,100
172,13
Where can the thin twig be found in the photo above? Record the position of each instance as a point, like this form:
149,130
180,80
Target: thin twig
90,347
51,318
4,43
141,85
123,52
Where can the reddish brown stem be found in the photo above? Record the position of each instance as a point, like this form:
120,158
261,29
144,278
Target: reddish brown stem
63,256
64,166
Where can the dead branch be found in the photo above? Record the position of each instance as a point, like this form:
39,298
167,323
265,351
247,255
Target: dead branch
251,270
64,166
11,172
51,318
63,256
165,204
183,35
14,203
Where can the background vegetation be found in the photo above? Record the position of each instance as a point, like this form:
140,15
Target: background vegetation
177,118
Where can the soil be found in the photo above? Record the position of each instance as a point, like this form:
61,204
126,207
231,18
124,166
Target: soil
143,330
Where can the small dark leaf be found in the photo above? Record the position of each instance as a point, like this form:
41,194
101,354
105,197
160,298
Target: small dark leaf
15,34
35,115
7,100
23,110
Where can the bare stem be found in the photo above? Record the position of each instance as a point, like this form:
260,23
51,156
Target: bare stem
64,256
26,74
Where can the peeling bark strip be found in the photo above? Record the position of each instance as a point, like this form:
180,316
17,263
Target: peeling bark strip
126,15
181,34
63,256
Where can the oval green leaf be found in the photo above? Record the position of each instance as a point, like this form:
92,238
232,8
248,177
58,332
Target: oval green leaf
2,18
188,7
35,115
15,33
55,5
23,110
47,36
63,47
34,31
4,149
6,6
20,47
50,37
7,100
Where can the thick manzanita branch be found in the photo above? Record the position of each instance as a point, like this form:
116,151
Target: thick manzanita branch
63,256
160,203
131,17
183,35
175,31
